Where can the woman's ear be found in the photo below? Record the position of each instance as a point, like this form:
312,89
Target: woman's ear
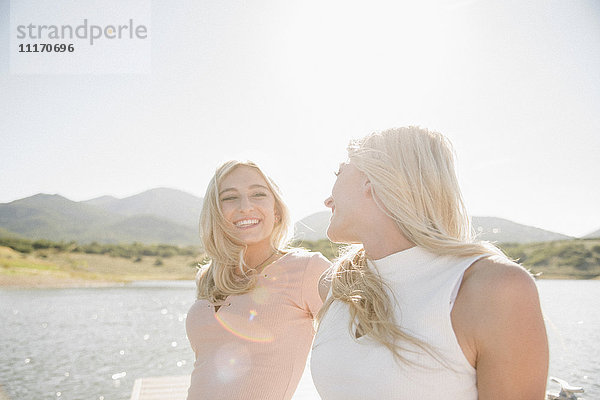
277,217
367,187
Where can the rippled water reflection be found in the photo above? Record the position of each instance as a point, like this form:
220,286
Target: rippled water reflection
91,344
572,311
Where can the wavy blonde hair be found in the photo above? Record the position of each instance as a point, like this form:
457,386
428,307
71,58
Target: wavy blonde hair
225,273
413,179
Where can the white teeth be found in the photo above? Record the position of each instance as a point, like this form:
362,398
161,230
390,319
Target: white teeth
247,222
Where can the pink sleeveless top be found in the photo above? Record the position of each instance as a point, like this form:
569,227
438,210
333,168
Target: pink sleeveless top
255,346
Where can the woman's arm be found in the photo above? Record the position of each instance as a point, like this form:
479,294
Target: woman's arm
499,325
325,284
311,286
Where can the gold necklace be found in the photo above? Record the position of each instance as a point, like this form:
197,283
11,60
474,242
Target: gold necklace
264,263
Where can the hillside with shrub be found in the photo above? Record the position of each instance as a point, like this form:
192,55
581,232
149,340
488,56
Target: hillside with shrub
567,259
43,263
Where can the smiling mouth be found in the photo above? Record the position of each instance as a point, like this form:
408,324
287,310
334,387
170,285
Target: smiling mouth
247,223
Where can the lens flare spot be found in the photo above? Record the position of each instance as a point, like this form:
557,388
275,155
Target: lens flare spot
232,361
241,327
260,295
252,314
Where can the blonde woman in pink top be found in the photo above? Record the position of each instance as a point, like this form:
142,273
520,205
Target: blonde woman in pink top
252,326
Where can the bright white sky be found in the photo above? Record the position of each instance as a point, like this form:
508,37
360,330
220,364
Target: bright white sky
514,84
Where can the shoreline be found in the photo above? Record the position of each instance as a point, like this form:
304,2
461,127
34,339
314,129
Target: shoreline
51,282
55,269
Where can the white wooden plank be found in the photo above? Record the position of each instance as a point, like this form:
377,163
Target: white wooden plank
161,388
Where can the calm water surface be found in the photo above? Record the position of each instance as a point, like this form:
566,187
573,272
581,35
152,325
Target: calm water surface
91,344
572,311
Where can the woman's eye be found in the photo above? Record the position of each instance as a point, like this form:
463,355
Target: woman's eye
260,194
229,198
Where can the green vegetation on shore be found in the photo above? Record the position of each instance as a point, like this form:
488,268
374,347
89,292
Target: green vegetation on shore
25,262
116,250
564,259
45,263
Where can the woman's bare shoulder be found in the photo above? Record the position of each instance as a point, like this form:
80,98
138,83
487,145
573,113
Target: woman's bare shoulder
499,324
495,295
498,276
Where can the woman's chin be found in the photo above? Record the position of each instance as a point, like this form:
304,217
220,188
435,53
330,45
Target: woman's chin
252,241
337,235
334,236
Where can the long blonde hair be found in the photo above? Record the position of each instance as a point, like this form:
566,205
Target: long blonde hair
225,274
412,175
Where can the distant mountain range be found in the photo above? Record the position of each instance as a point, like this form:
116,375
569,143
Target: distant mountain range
156,216
176,206
171,216
500,230
593,235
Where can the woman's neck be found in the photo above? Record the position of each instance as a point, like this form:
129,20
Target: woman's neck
256,256
386,240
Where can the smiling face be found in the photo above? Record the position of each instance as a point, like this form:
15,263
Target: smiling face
249,205
348,202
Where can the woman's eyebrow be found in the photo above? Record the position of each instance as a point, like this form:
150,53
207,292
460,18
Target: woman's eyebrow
227,190
256,186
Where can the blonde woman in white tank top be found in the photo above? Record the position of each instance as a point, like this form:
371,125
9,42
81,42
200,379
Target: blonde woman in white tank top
420,310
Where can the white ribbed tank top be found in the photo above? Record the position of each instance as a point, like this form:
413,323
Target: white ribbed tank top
425,286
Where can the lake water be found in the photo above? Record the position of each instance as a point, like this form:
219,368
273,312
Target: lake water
91,344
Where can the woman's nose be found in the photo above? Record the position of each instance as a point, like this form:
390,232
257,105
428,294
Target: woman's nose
328,202
245,204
